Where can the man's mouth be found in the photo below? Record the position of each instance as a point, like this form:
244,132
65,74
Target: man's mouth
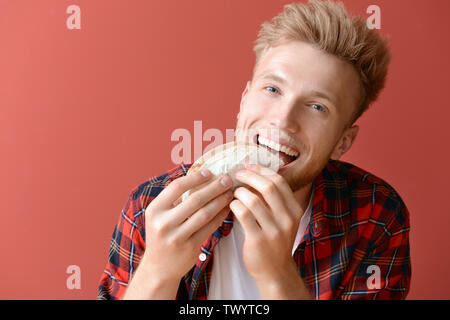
285,153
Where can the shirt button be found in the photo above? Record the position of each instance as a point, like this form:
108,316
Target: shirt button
202,257
317,228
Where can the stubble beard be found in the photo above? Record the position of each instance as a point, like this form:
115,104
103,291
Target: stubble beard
299,177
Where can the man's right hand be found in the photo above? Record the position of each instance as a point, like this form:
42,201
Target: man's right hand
175,233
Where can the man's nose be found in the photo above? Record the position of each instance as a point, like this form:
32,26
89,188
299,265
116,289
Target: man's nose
283,117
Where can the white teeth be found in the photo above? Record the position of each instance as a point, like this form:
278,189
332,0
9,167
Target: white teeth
273,145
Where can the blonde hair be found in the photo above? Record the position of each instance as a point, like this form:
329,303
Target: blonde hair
328,26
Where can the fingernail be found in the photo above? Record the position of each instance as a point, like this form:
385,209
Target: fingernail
229,194
241,173
225,181
205,172
250,165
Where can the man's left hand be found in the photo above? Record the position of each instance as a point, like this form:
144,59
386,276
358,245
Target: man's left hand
270,215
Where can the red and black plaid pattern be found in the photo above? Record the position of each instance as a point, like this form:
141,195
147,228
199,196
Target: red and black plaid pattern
358,224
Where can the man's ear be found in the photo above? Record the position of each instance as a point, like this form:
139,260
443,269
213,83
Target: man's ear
245,92
346,141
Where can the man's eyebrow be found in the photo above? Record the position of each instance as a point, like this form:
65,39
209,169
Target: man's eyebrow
271,76
321,94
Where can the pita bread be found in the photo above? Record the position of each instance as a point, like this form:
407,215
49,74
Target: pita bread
231,157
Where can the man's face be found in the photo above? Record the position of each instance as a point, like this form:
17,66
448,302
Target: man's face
303,99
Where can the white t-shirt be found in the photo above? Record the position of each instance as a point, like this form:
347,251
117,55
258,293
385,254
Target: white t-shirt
230,279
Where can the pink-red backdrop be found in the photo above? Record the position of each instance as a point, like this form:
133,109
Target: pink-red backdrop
86,115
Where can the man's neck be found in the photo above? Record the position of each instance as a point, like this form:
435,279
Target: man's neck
303,196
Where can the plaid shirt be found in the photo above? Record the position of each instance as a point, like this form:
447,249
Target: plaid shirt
358,221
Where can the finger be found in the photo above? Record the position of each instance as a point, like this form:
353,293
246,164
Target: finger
200,198
255,205
266,187
176,188
203,216
245,217
202,234
285,190
178,201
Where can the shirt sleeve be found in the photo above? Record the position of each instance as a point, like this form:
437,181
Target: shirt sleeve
384,271
125,250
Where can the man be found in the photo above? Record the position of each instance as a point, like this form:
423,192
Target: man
319,228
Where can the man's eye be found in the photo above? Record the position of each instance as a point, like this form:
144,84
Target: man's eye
318,107
272,89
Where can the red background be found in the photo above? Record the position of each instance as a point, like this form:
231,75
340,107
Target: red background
86,115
